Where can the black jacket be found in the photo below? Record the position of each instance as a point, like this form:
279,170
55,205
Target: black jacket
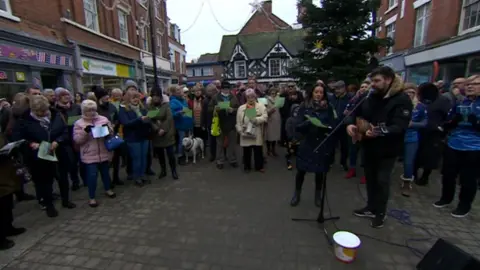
393,111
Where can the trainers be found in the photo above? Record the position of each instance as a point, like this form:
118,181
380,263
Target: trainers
440,204
351,173
378,221
460,212
364,212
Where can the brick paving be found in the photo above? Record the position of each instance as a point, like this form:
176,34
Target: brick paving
227,220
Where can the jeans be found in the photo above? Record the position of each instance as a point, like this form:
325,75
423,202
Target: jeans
463,164
378,175
181,135
354,151
138,154
410,152
91,171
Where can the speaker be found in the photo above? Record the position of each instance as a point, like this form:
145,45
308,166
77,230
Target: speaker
445,256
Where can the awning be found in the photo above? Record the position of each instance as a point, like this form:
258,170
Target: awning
202,82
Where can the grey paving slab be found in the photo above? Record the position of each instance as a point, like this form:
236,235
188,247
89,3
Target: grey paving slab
213,219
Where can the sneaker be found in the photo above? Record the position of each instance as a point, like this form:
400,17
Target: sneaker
68,205
459,212
441,204
351,173
42,205
378,221
289,167
364,212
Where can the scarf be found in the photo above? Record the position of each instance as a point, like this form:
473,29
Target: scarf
64,106
44,121
197,111
136,109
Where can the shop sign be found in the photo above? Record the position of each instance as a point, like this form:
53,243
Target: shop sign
93,66
20,76
31,55
3,75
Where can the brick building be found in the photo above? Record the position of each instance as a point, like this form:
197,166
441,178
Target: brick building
76,44
264,48
177,54
205,70
425,31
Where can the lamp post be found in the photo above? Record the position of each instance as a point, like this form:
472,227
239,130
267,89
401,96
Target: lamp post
153,36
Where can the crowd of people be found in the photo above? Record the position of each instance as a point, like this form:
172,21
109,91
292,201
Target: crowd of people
69,138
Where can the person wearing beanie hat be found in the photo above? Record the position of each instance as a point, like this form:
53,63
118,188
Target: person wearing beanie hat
105,108
67,159
131,85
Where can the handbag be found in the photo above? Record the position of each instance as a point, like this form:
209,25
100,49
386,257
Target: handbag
215,126
113,142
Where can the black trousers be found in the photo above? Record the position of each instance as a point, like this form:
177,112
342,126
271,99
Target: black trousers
341,137
63,168
257,155
463,164
300,178
116,160
160,153
378,176
149,157
6,215
43,174
69,160
212,144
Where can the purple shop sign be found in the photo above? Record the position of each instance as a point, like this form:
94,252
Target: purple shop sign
18,53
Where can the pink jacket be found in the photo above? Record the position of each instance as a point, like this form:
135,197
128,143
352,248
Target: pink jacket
91,150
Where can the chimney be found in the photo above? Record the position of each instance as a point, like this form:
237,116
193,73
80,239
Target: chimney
267,6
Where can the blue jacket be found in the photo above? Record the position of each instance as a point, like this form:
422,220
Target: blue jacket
177,105
419,120
465,117
134,128
340,104
309,160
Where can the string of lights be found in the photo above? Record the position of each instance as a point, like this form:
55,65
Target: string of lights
196,18
218,22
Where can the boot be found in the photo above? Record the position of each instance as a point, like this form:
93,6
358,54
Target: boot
318,197
173,167
351,173
174,174
406,186
163,171
296,198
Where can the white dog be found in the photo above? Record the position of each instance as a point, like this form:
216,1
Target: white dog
192,146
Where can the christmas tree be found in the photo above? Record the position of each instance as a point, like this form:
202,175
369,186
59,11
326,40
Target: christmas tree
339,43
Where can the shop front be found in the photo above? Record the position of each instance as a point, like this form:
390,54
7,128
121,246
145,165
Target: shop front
456,57
162,75
107,74
26,62
396,62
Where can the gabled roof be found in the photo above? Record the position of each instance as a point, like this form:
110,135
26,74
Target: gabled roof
208,57
256,46
273,19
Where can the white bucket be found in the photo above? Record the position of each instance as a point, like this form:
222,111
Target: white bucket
345,246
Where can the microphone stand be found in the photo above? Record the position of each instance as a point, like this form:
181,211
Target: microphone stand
321,219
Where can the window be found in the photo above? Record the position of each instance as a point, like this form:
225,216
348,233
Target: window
157,8
471,14
421,25
240,69
392,3
197,72
123,24
190,72
173,65
91,14
207,71
144,36
159,44
274,67
390,29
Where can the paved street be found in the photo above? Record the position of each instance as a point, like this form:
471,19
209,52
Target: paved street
226,220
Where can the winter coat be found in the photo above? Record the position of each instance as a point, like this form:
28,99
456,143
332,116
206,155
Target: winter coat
134,128
340,103
274,124
226,119
9,181
92,150
64,114
207,115
291,124
259,122
309,159
393,112
109,111
30,129
177,105
164,121
430,137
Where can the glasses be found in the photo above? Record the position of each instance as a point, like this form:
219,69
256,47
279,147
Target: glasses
473,84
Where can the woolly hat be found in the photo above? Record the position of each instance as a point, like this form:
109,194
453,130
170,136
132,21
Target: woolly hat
427,92
60,91
131,83
99,92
